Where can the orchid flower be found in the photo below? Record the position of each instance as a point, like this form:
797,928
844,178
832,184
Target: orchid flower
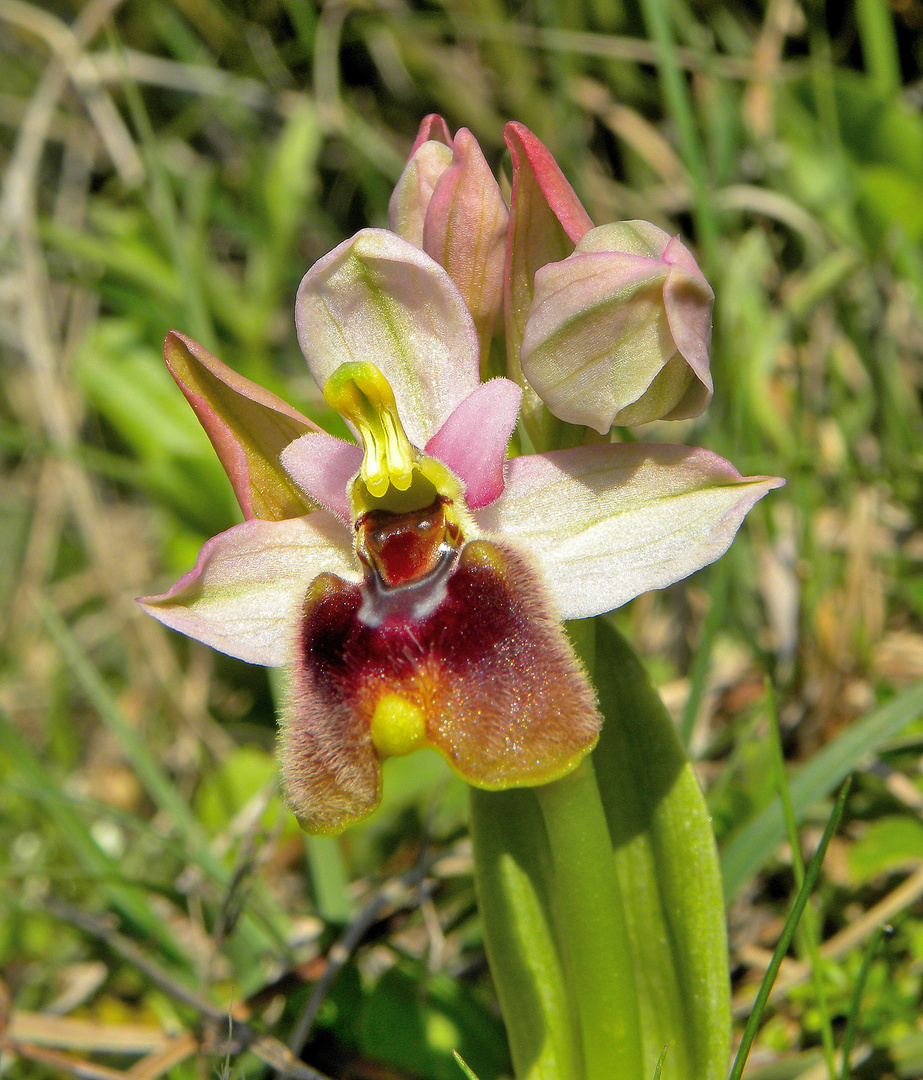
413,586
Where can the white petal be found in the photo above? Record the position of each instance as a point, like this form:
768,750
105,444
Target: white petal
244,595
607,523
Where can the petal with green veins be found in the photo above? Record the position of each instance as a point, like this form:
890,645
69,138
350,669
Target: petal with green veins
606,523
247,425
378,298
243,595
540,190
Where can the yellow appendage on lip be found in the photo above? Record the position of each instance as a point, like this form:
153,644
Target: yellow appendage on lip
398,726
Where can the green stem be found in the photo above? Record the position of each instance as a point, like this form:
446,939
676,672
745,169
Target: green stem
514,881
875,20
591,926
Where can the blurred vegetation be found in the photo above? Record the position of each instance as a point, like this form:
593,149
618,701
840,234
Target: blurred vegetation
179,164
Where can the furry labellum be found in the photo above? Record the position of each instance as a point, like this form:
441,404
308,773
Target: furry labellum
469,661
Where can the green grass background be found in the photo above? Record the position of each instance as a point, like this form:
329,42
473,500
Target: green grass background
179,164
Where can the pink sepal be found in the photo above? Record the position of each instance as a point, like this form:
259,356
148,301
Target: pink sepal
247,425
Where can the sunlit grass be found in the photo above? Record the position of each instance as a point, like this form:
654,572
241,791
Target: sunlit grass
180,166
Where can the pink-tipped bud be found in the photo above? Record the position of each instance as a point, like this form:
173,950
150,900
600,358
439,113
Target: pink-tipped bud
619,331
448,203
546,221
414,192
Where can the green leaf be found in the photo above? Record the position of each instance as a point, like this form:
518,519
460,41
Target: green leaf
329,880
888,844
875,21
226,790
665,858
118,246
891,199
592,926
671,958
658,1072
418,1027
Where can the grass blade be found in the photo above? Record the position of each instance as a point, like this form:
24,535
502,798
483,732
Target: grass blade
464,1068
753,844
153,777
658,1070
849,1035
785,939
679,107
809,933
875,21
158,783
120,894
